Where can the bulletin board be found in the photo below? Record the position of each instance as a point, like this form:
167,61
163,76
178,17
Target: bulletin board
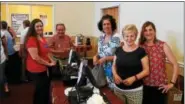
15,12
43,12
17,20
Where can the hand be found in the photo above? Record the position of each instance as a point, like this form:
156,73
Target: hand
95,60
102,60
166,88
117,78
129,81
52,63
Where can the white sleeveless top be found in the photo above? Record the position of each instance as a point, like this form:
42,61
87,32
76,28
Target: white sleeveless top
3,57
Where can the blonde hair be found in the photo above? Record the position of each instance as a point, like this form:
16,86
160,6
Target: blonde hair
130,28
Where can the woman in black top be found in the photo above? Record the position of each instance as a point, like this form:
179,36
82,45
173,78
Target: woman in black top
129,67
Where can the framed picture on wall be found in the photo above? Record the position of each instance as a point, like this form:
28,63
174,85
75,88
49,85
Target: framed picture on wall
17,22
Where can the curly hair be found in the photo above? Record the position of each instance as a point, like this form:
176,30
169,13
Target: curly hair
112,21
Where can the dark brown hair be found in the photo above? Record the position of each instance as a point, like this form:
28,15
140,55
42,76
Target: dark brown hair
26,23
4,25
112,21
142,39
32,33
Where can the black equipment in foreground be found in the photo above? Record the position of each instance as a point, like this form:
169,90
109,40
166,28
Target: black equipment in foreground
82,93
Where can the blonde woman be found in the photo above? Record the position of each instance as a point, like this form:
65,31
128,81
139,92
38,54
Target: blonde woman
129,67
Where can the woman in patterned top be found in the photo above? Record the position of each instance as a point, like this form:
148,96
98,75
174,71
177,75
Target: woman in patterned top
157,50
107,44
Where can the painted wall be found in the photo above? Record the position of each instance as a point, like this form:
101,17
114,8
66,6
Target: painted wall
77,16
167,16
33,11
3,12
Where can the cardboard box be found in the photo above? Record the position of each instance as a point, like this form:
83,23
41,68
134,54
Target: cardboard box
174,96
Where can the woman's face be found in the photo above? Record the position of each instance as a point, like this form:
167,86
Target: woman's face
107,26
39,28
130,38
149,33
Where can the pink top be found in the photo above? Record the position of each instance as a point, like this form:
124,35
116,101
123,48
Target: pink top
157,57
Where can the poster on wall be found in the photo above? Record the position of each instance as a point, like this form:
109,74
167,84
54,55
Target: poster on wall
44,19
17,20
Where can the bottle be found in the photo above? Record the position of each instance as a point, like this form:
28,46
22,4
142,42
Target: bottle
88,41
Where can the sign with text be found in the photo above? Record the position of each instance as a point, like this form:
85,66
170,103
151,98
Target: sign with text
17,20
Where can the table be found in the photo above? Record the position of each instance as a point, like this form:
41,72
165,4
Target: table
58,96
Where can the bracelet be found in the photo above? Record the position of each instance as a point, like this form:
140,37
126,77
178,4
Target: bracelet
172,82
136,77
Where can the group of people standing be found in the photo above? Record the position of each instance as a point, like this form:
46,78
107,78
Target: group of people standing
138,70
133,71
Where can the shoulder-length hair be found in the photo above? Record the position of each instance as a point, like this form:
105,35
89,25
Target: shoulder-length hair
142,39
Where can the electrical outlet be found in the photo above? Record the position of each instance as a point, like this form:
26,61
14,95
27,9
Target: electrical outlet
177,97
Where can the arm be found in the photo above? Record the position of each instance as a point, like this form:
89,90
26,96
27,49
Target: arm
173,61
104,59
145,71
109,58
51,59
4,43
56,51
13,33
95,59
34,54
116,77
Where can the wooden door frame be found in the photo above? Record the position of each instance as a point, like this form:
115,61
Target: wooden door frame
118,25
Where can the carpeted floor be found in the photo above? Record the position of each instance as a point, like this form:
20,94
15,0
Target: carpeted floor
22,94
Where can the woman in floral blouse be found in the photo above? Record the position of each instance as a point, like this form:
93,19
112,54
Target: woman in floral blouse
107,44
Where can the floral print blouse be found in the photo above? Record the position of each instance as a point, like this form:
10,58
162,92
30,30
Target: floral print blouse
107,49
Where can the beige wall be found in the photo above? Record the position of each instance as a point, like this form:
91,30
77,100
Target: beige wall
77,16
169,70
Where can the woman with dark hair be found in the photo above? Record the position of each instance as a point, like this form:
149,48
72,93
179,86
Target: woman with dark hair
37,60
107,44
156,83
